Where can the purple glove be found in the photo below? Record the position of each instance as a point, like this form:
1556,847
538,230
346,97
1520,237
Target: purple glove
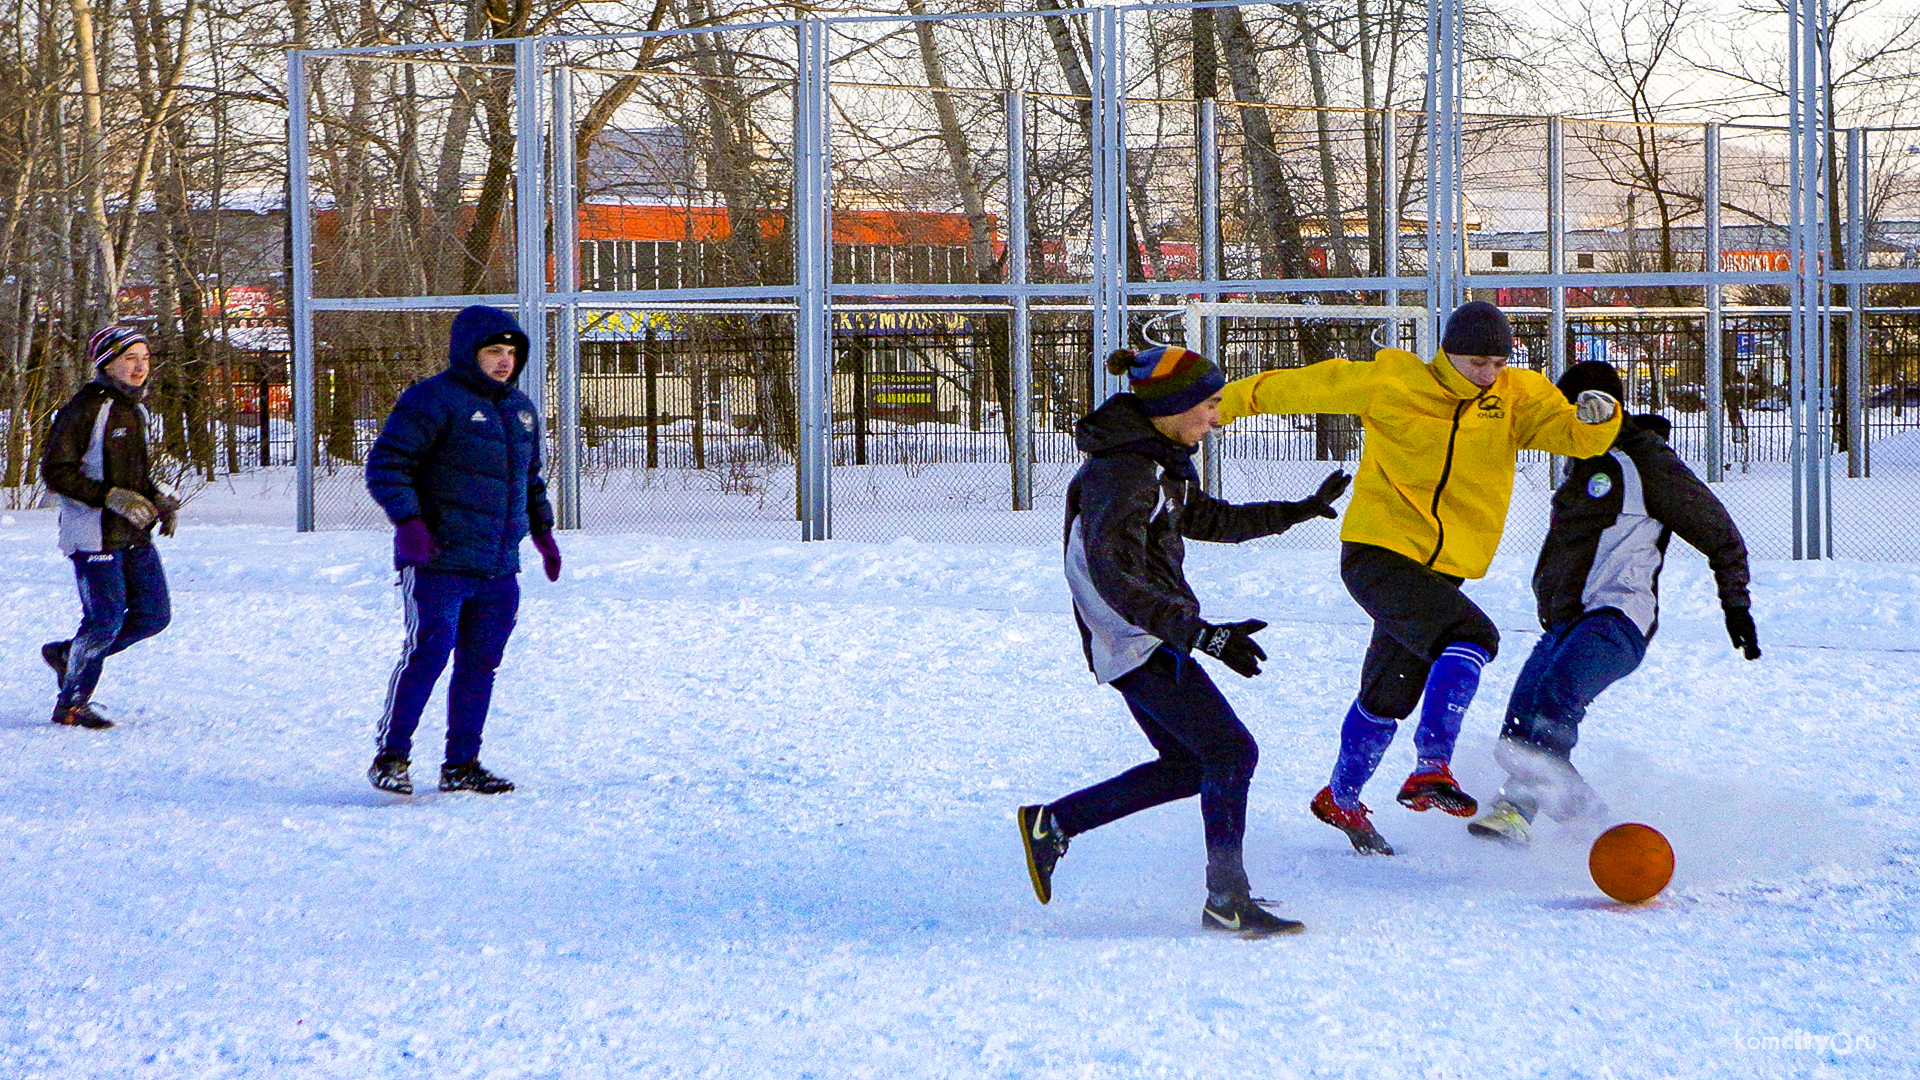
549,554
412,544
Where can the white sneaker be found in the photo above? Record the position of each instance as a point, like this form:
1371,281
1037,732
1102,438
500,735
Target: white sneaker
1505,823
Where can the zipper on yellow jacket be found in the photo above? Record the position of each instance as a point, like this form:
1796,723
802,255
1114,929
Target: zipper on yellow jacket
1413,471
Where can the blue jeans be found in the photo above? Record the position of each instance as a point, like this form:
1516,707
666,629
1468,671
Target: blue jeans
1204,750
468,618
1569,668
123,600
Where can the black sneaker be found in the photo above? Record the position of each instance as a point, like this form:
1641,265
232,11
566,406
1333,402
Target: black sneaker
55,654
81,715
389,773
1044,844
1246,917
471,776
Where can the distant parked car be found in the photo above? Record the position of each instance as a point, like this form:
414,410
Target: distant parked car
1903,396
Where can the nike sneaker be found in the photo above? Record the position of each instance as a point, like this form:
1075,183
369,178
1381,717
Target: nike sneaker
1355,823
1245,916
1044,843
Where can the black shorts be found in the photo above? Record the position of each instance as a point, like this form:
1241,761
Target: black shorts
1417,612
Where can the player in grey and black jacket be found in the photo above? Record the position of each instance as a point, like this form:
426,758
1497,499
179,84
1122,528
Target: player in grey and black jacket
1597,583
95,460
1129,511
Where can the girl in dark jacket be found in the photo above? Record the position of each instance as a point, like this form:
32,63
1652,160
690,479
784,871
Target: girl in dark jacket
95,460
1128,510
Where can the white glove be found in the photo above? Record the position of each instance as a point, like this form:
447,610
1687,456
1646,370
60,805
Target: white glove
1594,406
133,506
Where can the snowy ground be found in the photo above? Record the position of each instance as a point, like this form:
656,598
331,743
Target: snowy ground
764,829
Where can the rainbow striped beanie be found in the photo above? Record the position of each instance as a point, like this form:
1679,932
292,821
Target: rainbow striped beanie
1168,379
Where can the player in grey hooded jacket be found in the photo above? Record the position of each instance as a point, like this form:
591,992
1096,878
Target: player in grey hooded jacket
1130,510
1597,584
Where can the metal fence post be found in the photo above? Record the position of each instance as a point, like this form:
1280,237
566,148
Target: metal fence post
1715,362
566,279
1109,199
1444,220
1021,366
1390,215
1207,121
1809,310
1858,464
299,206
530,217
1557,358
813,320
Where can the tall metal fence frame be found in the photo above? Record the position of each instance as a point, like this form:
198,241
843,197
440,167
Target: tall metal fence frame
543,103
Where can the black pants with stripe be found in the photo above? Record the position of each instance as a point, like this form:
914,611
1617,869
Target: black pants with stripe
1204,750
1417,612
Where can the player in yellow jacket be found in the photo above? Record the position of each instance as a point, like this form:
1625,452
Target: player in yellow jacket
1429,504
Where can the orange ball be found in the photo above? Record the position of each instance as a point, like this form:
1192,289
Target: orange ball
1631,863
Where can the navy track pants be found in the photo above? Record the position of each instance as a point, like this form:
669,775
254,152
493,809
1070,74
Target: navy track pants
469,618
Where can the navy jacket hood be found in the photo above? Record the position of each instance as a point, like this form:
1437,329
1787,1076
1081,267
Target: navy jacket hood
472,327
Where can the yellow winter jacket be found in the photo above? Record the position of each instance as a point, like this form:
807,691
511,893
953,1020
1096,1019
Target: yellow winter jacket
1437,472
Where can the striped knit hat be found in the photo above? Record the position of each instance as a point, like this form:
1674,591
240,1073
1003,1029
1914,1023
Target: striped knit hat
106,345
1167,378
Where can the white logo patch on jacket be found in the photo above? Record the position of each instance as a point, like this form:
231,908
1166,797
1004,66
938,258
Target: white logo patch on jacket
526,419
479,417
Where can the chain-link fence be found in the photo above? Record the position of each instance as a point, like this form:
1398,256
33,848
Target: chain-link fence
973,239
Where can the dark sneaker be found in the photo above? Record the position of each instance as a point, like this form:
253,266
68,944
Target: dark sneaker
1044,844
55,654
81,715
389,773
1434,788
470,776
1355,823
1246,917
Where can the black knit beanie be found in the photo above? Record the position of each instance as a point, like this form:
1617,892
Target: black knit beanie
1592,375
1477,328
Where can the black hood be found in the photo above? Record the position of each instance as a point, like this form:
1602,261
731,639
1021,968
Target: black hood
1119,426
1652,424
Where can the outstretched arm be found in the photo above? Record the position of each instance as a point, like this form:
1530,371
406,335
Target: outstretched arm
1330,386
1545,420
1208,518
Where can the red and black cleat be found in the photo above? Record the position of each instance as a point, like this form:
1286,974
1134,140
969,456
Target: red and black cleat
1434,788
1355,823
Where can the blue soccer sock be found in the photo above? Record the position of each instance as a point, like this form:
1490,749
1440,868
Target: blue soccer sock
1363,738
1451,683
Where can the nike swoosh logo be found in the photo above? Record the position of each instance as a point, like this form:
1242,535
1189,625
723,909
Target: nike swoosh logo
1231,924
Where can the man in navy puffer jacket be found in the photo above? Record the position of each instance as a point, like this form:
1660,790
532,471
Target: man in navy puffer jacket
457,469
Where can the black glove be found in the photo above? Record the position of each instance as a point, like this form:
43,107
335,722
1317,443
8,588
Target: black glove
1740,629
1330,489
1318,505
1233,645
